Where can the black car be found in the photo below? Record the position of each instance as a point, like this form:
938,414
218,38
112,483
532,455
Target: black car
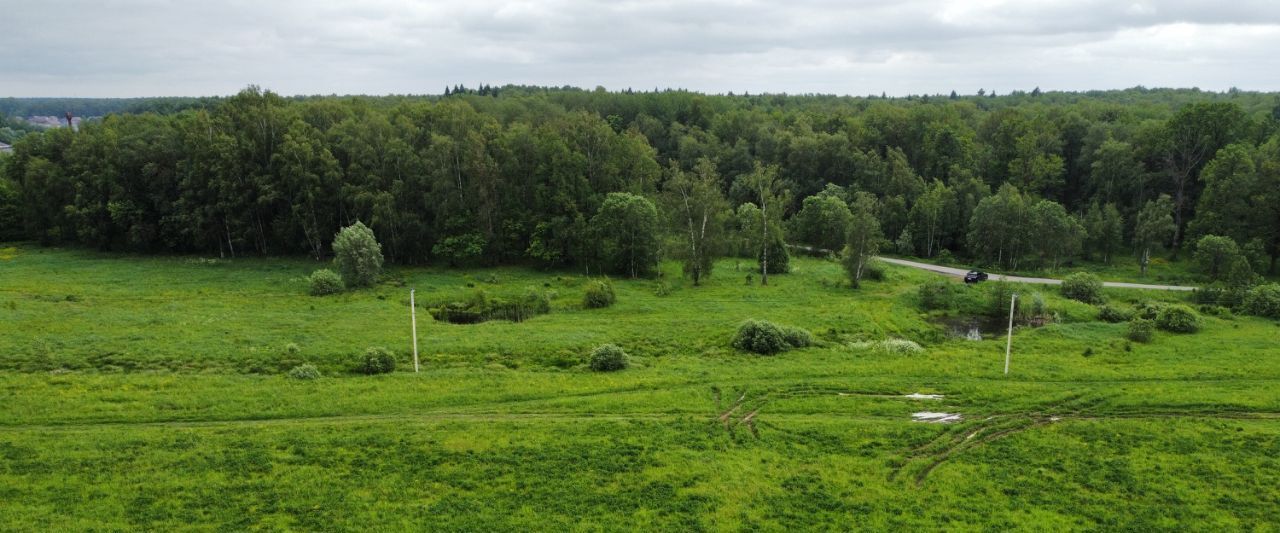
975,276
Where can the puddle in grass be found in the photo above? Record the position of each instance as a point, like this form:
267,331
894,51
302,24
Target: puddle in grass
918,396
936,418
973,328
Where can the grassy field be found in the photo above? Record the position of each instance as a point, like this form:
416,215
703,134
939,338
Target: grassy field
149,393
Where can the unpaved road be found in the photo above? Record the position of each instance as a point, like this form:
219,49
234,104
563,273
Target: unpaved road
960,272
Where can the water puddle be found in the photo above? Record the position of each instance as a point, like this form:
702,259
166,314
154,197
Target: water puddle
918,396
973,328
930,417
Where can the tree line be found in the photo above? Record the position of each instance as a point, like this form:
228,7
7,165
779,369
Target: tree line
612,181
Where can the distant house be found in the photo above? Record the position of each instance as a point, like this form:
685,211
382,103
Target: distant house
4,148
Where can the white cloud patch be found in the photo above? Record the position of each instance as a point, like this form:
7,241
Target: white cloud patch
171,47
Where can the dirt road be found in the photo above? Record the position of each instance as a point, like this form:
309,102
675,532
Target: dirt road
960,272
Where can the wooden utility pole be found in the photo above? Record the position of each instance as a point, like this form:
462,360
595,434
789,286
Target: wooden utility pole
1008,346
413,317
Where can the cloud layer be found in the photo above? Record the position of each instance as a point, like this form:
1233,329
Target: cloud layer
173,47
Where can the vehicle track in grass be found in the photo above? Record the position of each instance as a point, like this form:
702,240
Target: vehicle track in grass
568,416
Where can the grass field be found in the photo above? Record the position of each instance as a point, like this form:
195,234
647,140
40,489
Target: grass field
149,393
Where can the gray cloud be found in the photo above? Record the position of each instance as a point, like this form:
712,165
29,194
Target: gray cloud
162,47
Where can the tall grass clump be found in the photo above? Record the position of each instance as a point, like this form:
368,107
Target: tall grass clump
599,294
901,347
479,306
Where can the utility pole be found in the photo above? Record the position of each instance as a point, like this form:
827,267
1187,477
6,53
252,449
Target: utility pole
1008,347
413,317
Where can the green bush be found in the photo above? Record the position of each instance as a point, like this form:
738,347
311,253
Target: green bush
608,358
1263,300
1220,294
305,371
1141,330
1148,309
599,294
766,338
1178,319
760,337
324,282
796,337
357,255
1114,315
873,270
936,294
377,361
779,257
999,293
1084,287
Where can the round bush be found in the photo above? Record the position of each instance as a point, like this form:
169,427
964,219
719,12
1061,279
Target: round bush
324,282
760,336
1084,287
305,371
1263,300
1178,319
1114,315
599,294
378,361
1141,330
796,337
608,358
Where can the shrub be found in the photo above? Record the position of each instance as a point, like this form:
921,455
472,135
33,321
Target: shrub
357,255
999,294
1220,294
1114,315
599,294
378,361
779,257
305,371
324,282
1084,287
608,358
797,337
936,294
1263,300
1178,319
901,347
1148,309
1141,330
873,270
760,336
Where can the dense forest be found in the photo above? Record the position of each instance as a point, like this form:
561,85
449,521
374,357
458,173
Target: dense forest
568,177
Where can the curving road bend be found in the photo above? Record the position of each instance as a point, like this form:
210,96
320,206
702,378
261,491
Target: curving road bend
960,272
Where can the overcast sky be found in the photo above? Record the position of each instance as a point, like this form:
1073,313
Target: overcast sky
215,47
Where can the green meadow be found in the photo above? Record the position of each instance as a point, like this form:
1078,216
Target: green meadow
150,393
